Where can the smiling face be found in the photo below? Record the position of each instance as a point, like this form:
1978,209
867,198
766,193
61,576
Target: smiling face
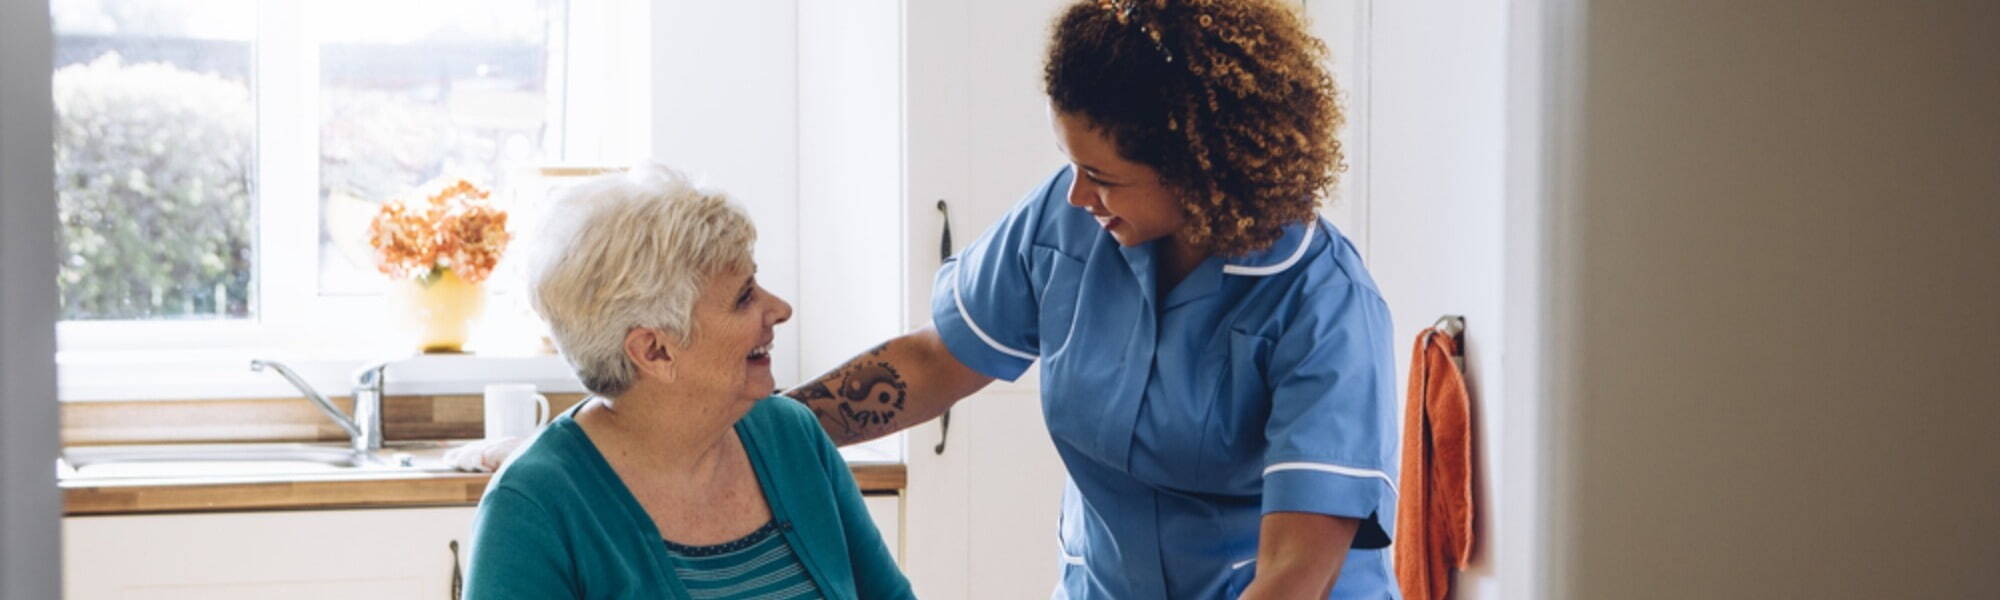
1126,197
730,353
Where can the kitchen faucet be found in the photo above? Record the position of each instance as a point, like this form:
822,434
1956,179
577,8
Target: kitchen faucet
364,429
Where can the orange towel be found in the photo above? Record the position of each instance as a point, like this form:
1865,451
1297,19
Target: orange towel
1434,507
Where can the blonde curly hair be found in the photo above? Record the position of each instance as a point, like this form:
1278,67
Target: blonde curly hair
1229,100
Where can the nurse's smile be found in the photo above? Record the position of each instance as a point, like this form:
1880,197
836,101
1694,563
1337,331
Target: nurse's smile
1127,198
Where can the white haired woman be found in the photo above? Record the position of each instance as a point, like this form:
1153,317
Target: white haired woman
681,477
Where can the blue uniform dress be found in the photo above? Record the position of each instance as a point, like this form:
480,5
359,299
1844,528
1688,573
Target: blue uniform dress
1260,383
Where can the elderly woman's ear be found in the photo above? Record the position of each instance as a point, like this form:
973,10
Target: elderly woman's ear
650,353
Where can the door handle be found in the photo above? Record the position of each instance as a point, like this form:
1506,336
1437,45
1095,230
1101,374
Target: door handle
457,573
944,254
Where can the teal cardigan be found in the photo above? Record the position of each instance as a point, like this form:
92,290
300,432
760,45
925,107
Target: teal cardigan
558,523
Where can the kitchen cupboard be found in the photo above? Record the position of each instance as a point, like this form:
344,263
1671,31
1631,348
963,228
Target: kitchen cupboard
390,553
332,554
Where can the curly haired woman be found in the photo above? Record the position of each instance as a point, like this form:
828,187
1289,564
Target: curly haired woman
1215,359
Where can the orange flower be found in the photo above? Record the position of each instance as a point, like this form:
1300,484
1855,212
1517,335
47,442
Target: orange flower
453,228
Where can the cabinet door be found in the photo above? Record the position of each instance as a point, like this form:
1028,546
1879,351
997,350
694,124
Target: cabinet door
376,553
981,517
887,510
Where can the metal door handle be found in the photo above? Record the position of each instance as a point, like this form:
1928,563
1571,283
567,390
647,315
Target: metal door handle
457,574
944,254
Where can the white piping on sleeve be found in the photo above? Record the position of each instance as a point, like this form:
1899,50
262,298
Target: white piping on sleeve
1331,468
1062,547
1305,241
1238,565
958,299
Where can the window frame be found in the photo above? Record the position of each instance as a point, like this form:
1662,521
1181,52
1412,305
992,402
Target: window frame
326,337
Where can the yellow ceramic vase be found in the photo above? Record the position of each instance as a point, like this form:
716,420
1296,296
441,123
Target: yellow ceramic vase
441,307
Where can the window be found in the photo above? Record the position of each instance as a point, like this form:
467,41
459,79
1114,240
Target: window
155,159
218,161
461,87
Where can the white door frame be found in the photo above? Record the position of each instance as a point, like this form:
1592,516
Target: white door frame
30,508
1544,86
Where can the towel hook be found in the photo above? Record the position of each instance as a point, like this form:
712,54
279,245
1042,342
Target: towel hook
1451,325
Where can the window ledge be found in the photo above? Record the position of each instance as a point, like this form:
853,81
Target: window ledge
124,375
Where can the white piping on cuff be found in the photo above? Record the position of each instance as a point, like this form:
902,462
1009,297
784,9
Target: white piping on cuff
1067,558
958,299
1331,468
1238,565
1305,241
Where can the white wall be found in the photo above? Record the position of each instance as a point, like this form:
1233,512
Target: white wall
726,109
1435,114
608,122
1787,218
30,509
851,242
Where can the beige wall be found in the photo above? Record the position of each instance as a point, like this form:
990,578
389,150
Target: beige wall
1788,288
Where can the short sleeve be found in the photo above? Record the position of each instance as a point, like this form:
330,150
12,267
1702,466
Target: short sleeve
516,552
1332,430
984,303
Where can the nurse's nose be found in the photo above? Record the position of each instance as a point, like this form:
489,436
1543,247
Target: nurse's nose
1082,194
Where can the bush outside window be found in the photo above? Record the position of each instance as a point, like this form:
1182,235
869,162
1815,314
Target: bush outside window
167,133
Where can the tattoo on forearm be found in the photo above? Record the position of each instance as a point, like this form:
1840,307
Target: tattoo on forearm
859,399
873,394
817,397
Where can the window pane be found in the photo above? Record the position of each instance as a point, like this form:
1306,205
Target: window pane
155,148
413,90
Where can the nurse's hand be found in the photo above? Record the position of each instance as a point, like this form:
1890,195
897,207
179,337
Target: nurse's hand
1299,555
903,382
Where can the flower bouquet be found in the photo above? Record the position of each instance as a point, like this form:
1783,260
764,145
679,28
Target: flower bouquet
440,245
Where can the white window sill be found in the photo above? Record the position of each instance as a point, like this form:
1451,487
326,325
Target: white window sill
123,375
101,375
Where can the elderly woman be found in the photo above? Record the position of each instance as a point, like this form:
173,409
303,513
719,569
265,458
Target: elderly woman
681,477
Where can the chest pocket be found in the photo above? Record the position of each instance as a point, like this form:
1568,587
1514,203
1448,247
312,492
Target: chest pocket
1056,277
1233,441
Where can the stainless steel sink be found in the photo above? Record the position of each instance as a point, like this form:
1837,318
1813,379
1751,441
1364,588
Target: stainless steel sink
239,460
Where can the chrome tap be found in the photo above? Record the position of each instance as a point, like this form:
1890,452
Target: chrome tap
368,385
364,429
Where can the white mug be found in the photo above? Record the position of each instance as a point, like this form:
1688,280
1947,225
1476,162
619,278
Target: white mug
514,410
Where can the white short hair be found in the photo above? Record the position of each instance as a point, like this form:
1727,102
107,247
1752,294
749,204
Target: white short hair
628,250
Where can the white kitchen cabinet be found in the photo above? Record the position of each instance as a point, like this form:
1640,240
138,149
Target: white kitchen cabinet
982,515
335,554
887,509
903,105
394,554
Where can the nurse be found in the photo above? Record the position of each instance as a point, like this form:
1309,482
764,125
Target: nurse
1216,372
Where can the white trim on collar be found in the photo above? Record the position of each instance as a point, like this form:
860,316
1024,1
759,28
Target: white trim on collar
1305,241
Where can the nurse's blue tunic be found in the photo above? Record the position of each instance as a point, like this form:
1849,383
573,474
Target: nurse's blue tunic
1260,383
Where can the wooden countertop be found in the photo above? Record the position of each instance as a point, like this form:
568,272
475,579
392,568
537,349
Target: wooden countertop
84,497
